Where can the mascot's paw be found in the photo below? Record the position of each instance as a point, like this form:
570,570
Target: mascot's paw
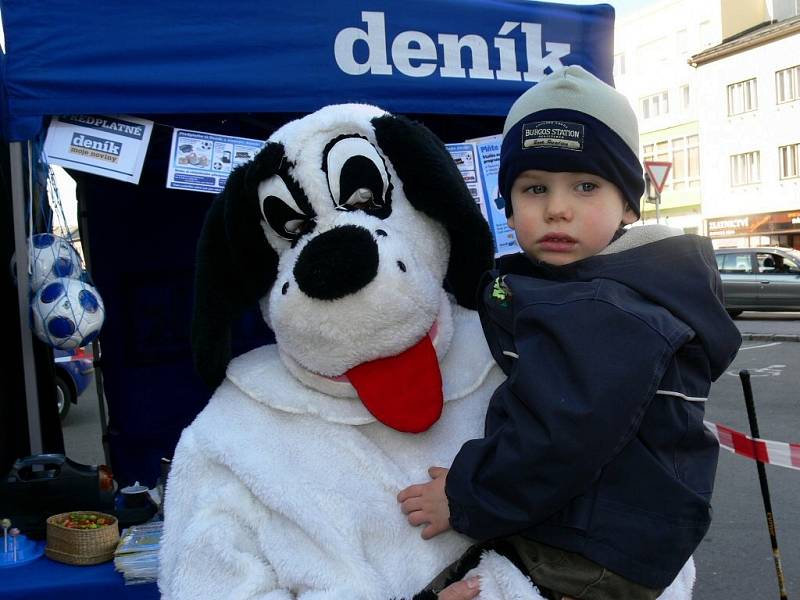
501,580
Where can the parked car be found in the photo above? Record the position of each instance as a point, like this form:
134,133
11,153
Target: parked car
766,279
74,370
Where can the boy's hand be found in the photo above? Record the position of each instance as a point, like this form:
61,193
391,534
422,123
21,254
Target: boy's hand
461,590
427,503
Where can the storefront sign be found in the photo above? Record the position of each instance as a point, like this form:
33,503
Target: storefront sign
759,224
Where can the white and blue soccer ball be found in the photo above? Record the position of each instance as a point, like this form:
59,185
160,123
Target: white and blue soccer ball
53,257
67,313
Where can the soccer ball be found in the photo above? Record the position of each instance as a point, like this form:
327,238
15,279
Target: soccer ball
67,313
53,257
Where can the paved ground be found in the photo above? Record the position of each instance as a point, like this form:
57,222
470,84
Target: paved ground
734,561
778,326
82,432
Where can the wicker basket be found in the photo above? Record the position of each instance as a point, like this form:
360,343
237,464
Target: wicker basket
81,546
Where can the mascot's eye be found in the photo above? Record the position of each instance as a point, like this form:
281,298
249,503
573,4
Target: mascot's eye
281,211
362,198
296,226
357,176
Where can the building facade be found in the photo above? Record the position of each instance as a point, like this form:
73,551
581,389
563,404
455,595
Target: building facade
716,88
652,50
748,91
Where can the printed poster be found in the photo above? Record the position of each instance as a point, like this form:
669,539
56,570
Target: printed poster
488,154
112,147
466,161
479,162
202,162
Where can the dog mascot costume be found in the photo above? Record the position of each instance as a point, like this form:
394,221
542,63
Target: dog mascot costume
344,228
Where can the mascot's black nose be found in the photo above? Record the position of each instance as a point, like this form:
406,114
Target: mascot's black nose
337,263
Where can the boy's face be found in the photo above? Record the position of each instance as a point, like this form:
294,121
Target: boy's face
560,218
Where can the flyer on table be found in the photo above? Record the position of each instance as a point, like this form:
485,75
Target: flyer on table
112,147
201,162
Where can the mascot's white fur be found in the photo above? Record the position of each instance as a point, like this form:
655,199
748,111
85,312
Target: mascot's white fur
345,228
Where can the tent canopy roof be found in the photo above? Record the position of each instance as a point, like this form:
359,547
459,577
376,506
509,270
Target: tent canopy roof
408,56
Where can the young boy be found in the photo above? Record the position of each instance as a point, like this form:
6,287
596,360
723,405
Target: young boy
595,466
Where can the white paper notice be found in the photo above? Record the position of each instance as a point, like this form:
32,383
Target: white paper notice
479,161
201,162
488,150
112,147
466,161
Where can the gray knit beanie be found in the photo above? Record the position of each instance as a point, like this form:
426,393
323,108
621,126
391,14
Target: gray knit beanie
573,121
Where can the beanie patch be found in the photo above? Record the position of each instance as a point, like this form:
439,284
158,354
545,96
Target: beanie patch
553,134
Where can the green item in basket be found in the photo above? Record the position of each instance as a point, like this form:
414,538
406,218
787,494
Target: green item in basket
86,520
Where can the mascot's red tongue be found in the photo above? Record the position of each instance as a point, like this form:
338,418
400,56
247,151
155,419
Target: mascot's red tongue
403,391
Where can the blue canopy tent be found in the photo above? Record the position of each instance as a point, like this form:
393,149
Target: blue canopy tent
240,68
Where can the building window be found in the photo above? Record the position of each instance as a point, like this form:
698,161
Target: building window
785,9
655,105
787,84
686,99
693,160
745,168
706,38
681,42
678,171
742,97
684,154
789,161
619,64
662,151
685,172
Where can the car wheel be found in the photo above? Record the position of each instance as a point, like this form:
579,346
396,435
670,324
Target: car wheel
734,313
63,397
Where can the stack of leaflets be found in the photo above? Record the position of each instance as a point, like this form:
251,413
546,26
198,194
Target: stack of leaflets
136,556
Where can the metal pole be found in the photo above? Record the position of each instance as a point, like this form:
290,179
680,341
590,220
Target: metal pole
23,285
744,375
658,204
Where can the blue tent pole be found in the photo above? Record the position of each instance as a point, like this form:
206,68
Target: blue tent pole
23,285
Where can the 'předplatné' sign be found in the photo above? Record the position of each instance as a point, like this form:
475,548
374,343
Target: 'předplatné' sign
112,147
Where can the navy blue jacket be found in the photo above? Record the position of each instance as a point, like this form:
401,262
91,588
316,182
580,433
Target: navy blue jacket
595,443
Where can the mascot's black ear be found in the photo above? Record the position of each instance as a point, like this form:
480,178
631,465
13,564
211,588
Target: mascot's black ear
433,184
235,265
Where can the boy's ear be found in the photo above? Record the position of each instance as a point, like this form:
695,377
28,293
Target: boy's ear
511,222
629,216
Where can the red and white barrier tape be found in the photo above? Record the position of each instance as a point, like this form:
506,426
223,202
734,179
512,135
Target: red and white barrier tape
766,451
